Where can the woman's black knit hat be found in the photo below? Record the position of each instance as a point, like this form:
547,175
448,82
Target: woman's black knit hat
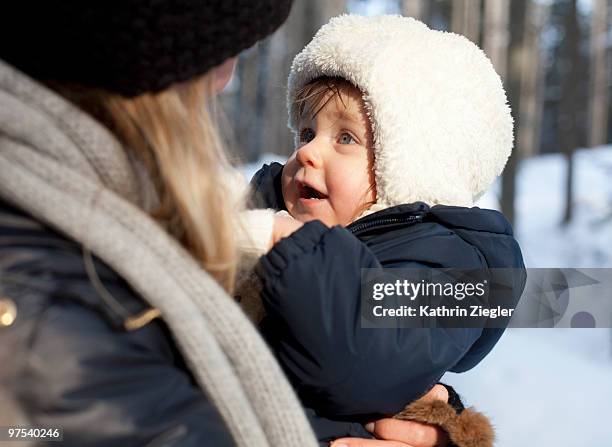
131,46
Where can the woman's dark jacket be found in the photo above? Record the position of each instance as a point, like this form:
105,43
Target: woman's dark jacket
311,292
69,361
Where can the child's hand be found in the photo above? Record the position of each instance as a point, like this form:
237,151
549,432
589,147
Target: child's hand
395,433
283,227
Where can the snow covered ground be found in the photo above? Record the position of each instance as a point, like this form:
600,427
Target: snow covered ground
545,388
553,387
587,242
549,387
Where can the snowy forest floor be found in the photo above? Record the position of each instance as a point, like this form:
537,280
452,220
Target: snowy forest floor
553,387
549,387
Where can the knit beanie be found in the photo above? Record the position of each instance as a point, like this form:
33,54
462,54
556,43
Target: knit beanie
441,122
131,46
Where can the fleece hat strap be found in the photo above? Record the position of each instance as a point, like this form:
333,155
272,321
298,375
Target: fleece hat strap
441,122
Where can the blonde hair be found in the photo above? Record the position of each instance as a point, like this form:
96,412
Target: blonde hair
176,134
314,96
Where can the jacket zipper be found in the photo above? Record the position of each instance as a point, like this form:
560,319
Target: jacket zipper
385,221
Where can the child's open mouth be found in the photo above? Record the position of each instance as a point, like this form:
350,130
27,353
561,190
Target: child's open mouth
308,193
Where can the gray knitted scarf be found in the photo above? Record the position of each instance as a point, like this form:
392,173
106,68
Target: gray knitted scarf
64,168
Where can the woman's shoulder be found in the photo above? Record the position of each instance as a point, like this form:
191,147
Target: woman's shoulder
65,344
51,285
38,261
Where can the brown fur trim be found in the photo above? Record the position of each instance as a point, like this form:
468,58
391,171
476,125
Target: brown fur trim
472,429
433,412
467,429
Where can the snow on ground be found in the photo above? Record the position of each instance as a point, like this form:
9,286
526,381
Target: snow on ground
544,388
548,387
553,387
587,241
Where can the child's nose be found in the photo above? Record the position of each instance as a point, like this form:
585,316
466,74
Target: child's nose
310,154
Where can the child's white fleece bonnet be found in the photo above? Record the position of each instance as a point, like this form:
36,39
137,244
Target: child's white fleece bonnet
442,126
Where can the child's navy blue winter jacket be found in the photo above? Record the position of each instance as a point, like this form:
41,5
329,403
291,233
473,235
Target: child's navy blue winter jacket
311,292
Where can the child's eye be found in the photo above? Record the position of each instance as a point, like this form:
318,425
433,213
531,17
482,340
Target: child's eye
306,135
346,138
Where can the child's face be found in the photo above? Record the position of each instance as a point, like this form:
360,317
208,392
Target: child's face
329,177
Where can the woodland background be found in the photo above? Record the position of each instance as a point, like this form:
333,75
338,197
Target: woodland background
541,387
